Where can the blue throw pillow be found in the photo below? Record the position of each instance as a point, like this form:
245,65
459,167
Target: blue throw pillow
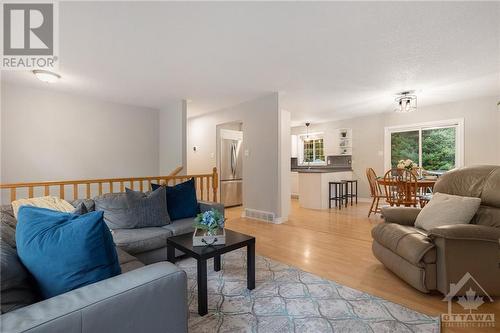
65,251
181,200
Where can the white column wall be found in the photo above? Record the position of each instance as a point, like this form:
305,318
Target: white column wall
172,123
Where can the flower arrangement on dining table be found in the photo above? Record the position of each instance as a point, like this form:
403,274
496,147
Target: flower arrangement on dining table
211,221
407,164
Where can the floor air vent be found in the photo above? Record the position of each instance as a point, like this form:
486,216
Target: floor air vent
259,215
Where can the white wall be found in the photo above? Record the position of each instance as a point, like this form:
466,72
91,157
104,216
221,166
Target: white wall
285,151
260,119
55,136
172,137
480,126
481,133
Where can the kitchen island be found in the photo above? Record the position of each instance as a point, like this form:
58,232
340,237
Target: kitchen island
313,185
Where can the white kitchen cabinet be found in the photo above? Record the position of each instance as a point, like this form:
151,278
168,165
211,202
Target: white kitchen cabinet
294,146
294,188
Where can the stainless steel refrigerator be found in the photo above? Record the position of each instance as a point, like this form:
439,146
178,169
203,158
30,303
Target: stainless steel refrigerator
231,176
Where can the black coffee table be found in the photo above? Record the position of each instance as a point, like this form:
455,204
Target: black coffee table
234,240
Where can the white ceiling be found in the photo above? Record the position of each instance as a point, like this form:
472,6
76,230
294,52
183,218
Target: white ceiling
330,60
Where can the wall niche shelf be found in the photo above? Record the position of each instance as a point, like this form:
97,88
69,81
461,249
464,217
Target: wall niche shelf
344,141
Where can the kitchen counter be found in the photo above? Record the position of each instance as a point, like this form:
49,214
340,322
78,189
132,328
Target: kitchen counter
313,185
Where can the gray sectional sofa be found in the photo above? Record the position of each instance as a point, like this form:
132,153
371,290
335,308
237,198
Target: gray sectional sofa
149,296
149,244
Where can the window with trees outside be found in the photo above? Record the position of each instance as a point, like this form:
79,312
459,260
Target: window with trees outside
434,146
313,150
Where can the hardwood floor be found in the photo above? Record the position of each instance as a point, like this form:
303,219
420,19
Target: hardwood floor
337,245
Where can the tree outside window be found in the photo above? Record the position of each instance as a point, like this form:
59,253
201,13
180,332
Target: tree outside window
438,149
404,145
314,151
433,149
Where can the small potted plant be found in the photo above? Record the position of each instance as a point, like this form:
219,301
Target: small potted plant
209,228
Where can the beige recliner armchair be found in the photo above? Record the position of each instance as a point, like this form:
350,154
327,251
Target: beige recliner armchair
431,260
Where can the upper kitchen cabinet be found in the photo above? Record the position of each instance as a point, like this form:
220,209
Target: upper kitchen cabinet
295,150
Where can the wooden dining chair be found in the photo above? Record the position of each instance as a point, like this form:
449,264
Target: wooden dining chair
424,199
401,188
418,172
375,191
424,194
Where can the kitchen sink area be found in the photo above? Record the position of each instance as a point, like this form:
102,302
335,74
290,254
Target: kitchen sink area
334,163
321,170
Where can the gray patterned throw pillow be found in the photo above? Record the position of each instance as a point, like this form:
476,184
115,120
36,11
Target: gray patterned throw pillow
133,209
149,209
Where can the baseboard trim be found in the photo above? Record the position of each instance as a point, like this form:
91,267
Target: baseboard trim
279,220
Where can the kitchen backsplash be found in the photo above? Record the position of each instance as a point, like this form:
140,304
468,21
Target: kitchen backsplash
333,161
339,160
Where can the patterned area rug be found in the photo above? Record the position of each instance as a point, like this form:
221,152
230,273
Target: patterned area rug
286,299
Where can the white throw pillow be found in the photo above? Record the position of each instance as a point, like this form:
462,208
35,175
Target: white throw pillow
54,203
446,209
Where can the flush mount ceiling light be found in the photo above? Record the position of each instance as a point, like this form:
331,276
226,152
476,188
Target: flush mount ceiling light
46,76
406,102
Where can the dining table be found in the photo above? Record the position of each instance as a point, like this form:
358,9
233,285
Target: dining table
422,183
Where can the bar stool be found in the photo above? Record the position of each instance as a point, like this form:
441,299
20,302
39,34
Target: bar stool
339,193
349,193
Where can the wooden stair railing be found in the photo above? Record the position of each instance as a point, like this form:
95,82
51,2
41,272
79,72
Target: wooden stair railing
176,171
206,186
